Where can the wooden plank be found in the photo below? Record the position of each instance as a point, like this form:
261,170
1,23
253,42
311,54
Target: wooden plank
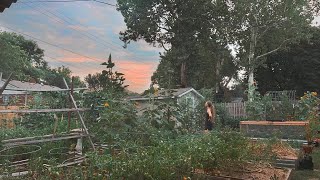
44,140
42,110
37,137
268,123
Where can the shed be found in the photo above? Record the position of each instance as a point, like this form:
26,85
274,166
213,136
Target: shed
21,91
187,96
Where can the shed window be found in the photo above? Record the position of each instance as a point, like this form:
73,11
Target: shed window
190,102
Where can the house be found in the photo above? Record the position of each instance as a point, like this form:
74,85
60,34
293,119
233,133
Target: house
188,96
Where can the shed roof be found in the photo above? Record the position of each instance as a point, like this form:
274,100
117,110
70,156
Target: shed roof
169,93
19,87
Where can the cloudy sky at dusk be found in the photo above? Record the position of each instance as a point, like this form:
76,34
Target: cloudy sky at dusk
87,32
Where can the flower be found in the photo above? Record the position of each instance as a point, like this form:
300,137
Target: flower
106,104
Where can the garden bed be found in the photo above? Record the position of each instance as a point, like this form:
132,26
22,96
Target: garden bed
268,129
249,171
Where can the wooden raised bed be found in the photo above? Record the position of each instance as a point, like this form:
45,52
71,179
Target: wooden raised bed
250,172
268,129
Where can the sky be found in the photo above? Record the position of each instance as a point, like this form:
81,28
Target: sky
81,35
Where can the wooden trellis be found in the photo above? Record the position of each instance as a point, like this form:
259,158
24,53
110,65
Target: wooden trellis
52,137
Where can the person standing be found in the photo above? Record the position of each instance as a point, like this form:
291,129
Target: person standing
210,116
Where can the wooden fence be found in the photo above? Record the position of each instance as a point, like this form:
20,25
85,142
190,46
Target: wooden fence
6,119
238,110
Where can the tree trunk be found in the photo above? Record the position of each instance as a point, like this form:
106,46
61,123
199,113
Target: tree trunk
218,69
251,62
183,74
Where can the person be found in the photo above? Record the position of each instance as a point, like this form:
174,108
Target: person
210,116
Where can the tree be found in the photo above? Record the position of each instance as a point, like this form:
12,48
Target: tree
246,24
25,59
107,79
280,22
297,68
55,77
177,25
12,59
34,53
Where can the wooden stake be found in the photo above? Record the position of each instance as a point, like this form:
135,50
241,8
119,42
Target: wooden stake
78,112
5,84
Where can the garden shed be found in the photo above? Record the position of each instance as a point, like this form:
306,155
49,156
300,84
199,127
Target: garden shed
188,96
16,96
18,92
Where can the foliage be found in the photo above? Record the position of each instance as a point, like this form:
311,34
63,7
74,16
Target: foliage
195,49
107,79
25,59
256,107
307,104
12,58
296,68
170,159
308,111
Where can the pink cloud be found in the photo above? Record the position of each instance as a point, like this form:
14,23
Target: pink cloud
137,74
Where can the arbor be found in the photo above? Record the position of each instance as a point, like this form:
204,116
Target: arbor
107,79
297,68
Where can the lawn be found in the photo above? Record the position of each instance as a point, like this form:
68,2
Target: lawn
310,175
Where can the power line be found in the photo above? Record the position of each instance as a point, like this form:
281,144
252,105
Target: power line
80,32
62,1
104,3
59,47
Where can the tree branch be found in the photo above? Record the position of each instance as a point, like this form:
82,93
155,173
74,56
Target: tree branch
273,51
162,44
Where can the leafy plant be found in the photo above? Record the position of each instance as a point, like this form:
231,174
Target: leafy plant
256,105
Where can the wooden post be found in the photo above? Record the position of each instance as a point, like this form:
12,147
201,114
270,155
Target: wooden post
5,84
70,105
78,112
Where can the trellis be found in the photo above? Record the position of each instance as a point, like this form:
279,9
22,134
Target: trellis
52,137
276,95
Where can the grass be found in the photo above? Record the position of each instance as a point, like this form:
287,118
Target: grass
310,175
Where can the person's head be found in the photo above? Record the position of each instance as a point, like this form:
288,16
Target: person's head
208,104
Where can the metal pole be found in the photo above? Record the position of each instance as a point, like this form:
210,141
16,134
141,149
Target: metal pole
78,112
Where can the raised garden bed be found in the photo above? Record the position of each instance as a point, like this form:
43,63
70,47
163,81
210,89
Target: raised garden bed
268,129
248,172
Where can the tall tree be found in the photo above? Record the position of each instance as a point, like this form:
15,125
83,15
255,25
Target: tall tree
174,24
34,53
12,59
181,23
282,22
296,68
